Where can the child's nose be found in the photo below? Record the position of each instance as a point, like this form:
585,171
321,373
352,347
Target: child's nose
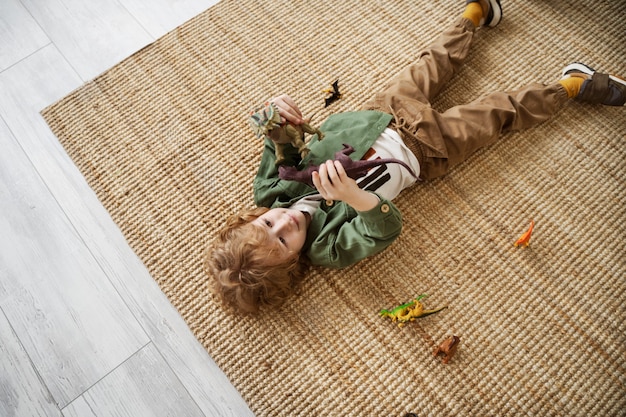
284,224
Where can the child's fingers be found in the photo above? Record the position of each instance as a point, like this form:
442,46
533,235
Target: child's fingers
288,109
341,172
317,182
332,181
327,178
293,107
321,174
290,116
333,175
315,177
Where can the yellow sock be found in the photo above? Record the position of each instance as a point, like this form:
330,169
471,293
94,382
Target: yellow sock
572,85
473,12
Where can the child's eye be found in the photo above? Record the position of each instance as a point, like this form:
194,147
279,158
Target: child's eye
283,241
268,223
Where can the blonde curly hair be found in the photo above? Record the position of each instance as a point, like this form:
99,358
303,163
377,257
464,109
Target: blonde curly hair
242,262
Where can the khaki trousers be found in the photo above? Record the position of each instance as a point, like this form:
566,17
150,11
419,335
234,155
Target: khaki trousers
443,140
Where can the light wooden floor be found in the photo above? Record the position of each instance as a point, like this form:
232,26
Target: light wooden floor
84,329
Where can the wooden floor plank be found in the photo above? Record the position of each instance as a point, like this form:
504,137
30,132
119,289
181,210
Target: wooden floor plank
34,83
67,315
79,407
141,386
22,393
20,33
92,35
162,16
28,85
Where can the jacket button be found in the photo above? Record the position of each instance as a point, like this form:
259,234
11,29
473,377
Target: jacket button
384,208
329,202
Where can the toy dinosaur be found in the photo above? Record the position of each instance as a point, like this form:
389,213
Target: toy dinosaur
448,348
334,93
525,238
266,124
409,311
354,169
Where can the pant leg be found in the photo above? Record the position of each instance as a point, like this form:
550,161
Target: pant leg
421,81
443,140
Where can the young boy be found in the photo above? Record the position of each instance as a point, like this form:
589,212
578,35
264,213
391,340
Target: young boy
260,254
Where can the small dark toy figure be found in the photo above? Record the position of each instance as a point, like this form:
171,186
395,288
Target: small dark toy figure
354,169
266,124
334,94
448,348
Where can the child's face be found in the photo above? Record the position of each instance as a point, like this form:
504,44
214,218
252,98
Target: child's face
287,227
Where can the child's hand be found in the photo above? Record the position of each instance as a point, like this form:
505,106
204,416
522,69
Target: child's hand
288,109
334,184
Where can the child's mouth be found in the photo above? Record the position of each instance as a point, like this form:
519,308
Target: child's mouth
293,218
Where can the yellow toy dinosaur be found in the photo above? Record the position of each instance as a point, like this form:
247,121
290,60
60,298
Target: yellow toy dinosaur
409,311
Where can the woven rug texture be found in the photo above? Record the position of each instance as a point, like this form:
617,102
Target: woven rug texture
163,140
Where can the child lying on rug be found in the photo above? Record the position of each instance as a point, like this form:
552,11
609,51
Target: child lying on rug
261,253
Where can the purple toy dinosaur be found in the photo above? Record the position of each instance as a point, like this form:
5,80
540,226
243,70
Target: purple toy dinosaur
354,169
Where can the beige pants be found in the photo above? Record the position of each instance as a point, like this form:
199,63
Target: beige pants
443,140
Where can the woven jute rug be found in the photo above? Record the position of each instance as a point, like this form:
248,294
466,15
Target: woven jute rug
163,139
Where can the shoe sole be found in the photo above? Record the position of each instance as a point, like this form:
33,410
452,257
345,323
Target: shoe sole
577,67
496,10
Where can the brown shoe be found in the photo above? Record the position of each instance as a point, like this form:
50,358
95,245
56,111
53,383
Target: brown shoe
598,87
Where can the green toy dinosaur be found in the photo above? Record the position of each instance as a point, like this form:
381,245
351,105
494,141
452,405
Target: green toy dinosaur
266,124
409,311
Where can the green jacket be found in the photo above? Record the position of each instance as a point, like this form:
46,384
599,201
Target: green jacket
338,235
